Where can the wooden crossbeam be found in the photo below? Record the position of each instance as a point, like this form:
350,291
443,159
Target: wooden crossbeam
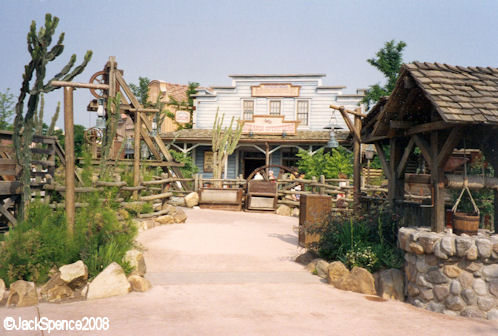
428,127
383,160
404,158
450,143
349,123
424,148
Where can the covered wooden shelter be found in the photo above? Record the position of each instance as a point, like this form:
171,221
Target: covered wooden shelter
437,108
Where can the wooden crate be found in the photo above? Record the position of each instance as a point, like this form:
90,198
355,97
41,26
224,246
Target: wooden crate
262,195
220,198
313,213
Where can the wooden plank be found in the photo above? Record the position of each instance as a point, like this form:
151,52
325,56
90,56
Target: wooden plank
8,215
353,112
10,187
383,160
350,124
157,196
428,127
153,163
404,158
400,124
438,213
357,164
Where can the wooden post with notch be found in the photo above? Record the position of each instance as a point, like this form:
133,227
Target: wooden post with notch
69,150
136,153
357,163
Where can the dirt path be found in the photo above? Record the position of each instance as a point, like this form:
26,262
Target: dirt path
231,273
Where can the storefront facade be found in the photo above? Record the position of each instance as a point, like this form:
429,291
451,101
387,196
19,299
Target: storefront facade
281,114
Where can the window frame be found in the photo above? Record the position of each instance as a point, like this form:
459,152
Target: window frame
279,101
308,103
243,110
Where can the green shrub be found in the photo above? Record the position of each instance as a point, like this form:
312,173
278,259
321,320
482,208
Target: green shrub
366,241
41,241
338,161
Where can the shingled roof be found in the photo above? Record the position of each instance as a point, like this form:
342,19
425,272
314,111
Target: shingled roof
459,94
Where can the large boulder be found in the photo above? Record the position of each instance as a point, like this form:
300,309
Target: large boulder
22,294
111,281
136,260
390,284
139,284
55,289
283,210
295,212
306,258
336,271
322,268
359,280
177,201
74,275
166,219
180,216
192,199
2,289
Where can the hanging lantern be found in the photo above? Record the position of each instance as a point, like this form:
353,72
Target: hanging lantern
369,152
332,143
144,151
100,115
153,132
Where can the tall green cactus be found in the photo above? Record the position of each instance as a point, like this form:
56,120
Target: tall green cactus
224,141
38,118
24,127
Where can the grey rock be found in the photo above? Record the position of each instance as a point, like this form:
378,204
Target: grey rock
441,292
412,290
493,287
448,245
466,279
483,247
472,253
450,312
486,303
490,271
435,276
431,260
416,248
306,257
455,303
438,252
436,307
493,314
480,287
462,245
426,294
418,303
473,312
469,296
421,265
473,266
427,241
390,284
455,287
410,258
422,282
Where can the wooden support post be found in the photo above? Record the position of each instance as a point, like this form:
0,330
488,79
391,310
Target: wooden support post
357,163
396,184
267,156
437,216
69,149
196,182
136,153
164,189
322,188
313,181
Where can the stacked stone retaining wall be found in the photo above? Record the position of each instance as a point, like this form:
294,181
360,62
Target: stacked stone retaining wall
450,274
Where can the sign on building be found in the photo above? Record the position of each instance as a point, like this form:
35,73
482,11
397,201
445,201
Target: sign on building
182,117
275,90
265,124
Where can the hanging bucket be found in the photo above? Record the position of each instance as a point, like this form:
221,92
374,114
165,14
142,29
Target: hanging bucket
465,223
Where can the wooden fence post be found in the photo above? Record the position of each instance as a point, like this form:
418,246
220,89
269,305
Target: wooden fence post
69,149
322,188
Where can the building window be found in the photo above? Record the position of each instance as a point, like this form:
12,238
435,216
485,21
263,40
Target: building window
248,108
303,111
274,107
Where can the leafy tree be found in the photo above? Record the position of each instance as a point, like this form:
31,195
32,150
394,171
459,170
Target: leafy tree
338,161
387,60
6,109
141,91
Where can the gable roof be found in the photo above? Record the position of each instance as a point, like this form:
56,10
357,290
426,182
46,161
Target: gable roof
459,94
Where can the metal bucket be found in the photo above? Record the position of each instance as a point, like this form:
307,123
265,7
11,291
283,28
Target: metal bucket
465,223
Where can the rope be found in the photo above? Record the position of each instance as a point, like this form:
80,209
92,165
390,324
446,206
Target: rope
465,186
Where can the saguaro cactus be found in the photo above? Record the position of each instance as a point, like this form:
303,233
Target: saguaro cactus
24,127
224,142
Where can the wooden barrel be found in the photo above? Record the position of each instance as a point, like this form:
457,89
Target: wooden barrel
465,223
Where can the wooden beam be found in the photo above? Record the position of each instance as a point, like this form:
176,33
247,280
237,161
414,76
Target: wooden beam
438,212
350,124
357,164
424,148
383,160
404,159
400,124
356,113
428,127
4,211
80,85
450,143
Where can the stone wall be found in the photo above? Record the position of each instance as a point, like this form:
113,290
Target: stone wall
450,274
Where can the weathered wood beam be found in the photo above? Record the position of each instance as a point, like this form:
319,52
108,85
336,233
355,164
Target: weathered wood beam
450,143
349,123
397,124
428,127
80,85
4,211
404,159
438,214
356,113
383,160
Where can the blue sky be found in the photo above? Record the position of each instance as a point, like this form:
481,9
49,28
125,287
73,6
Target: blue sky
204,41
